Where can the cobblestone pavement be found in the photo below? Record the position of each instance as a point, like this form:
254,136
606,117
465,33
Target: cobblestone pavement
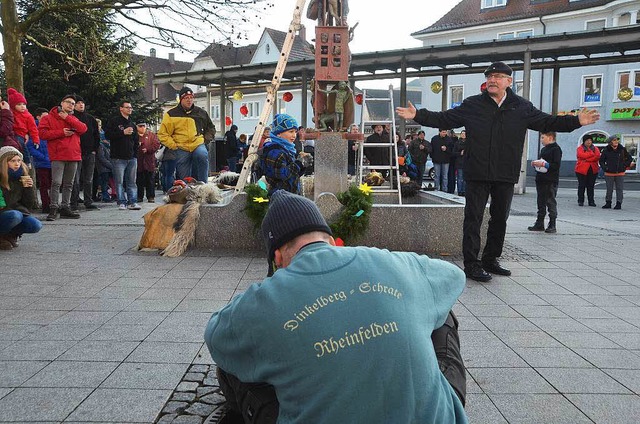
93,331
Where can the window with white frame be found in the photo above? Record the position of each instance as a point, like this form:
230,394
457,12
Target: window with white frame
520,88
515,34
631,142
215,112
282,106
486,4
591,90
595,25
456,41
253,110
628,79
456,95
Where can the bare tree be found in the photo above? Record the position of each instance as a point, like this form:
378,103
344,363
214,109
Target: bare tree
170,23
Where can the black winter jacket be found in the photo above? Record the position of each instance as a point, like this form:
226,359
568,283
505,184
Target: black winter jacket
231,145
377,155
495,135
614,161
418,156
437,154
552,153
459,152
90,140
122,146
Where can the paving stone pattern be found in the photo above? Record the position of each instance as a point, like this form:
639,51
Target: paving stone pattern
194,403
93,331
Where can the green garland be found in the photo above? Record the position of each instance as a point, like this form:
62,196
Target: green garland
256,210
350,225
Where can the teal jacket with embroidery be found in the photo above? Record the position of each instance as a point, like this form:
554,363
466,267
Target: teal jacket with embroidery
344,336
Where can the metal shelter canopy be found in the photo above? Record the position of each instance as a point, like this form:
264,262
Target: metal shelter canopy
610,45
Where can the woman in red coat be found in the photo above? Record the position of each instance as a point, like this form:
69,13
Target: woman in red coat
587,166
146,178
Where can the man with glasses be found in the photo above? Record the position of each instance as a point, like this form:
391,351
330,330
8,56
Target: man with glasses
496,122
62,131
121,132
187,129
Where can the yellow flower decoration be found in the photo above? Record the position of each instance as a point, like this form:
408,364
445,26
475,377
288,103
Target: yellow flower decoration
260,200
365,188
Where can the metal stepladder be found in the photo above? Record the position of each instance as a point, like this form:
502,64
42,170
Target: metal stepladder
390,145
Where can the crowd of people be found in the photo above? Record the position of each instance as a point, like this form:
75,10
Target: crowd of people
64,151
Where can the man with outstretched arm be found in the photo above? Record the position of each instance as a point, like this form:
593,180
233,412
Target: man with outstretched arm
496,122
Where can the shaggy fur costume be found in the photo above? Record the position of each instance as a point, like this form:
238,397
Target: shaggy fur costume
172,227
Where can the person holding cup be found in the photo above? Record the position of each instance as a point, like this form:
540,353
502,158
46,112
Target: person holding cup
16,200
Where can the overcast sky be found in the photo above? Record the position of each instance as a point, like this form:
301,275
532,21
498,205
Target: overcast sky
382,25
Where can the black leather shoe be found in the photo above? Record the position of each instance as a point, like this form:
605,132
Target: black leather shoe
475,272
495,268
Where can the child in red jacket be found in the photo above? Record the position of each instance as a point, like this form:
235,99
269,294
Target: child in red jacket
24,125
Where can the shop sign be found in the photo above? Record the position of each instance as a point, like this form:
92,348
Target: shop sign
626,113
598,138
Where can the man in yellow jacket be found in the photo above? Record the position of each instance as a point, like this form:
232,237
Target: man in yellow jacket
187,129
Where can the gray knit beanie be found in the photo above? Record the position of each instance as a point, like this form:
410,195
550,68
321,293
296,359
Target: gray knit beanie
288,217
9,151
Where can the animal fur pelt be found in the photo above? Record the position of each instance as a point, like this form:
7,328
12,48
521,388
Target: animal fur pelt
185,230
307,184
374,178
409,189
227,179
158,227
172,227
201,193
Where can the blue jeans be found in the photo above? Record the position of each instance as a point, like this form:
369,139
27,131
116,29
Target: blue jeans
442,176
461,183
167,174
232,162
193,164
124,172
13,221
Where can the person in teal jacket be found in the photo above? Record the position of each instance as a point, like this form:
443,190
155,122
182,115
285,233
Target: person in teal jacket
338,334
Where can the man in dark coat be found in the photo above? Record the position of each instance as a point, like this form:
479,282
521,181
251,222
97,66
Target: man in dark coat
231,147
420,149
89,144
378,156
547,177
121,132
441,152
496,122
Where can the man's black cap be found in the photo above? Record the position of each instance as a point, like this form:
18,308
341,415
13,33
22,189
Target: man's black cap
499,68
288,217
184,91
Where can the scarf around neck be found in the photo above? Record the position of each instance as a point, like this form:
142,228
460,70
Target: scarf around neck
15,175
284,144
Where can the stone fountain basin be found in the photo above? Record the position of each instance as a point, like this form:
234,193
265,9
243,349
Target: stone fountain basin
430,223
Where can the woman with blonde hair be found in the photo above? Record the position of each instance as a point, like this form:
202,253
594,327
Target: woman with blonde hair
16,200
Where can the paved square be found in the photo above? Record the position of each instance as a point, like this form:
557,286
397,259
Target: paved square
95,331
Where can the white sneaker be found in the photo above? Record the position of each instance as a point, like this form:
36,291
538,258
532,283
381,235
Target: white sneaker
134,207
122,207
